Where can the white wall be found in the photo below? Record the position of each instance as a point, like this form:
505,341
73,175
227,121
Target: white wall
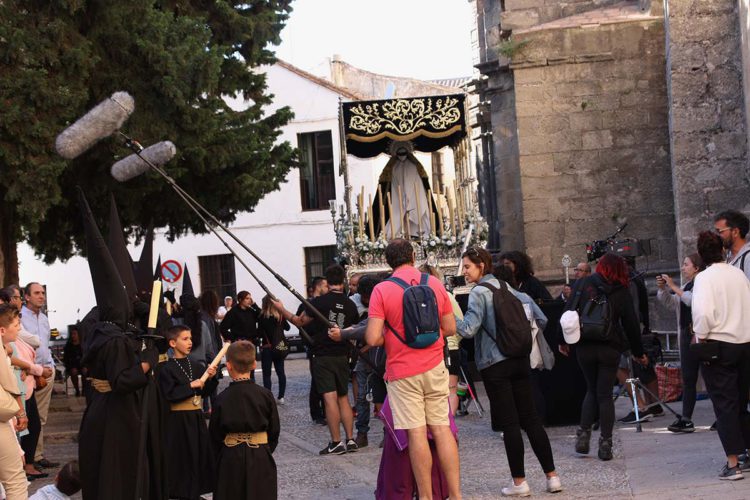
277,230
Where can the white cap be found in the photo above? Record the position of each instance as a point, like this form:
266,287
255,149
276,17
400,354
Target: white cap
571,327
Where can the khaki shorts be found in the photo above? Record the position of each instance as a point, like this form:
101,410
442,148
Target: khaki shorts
420,399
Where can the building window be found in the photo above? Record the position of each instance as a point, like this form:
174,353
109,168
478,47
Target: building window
317,259
317,180
217,274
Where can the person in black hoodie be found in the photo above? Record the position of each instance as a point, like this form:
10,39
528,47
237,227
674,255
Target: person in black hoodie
241,322
520,264
599,360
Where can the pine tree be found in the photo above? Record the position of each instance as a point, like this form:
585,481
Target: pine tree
179,60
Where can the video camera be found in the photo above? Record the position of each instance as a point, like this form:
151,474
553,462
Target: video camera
626,247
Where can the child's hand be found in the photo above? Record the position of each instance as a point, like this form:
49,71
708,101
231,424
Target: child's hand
196,384
211,370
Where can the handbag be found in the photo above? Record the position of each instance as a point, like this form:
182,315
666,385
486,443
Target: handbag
706,352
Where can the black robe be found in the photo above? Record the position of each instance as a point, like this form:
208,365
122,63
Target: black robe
244,472
110,428
189,456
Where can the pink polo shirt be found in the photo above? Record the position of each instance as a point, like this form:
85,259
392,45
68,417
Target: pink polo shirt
386,303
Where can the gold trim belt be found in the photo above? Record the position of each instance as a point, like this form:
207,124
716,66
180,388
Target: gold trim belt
191,404
100,385
252,439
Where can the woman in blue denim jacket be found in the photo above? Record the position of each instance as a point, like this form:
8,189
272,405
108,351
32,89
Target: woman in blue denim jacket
506,380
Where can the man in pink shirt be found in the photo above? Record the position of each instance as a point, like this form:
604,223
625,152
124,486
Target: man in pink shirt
417,378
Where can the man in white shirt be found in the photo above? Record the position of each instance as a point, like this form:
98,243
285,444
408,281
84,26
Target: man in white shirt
732,226
721,320
36,322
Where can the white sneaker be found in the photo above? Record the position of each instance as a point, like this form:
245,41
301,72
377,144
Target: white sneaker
553,484
521,490
281,401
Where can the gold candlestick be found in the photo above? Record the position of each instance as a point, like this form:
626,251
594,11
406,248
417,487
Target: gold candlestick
361,215
419,212
451,220
381,206
439,212
390,211
370,221
432,214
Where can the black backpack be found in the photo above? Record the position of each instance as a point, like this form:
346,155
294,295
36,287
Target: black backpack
420,314
511,323
596,317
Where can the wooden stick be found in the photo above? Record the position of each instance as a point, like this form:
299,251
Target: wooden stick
370,222
155,296
390,211
216,360
381,206
419,211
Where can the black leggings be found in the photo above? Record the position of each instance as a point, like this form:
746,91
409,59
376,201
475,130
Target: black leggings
30,440
690,368
599,366
508,388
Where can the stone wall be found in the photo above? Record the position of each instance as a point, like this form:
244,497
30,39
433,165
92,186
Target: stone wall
707,119
593,140
521,14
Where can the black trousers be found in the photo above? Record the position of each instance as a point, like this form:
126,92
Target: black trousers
316,402
727,381
690,368
30,440
599,366
508,388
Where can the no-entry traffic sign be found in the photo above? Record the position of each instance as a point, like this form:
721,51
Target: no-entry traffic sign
171,271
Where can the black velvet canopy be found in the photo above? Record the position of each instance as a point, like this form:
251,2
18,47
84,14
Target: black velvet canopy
430,123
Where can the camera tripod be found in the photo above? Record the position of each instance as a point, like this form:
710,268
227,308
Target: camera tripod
636,382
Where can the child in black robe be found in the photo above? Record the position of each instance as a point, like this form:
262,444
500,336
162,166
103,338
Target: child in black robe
245,430
189,454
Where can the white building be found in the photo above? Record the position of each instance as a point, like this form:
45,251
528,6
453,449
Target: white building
290,229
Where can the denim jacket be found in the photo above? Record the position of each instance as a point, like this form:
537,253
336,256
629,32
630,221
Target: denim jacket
480,318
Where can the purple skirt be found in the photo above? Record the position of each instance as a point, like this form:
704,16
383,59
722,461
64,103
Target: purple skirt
395,478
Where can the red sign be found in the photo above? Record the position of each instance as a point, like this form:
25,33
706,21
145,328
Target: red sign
171,271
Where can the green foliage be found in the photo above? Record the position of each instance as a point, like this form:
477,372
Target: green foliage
510,47
178,59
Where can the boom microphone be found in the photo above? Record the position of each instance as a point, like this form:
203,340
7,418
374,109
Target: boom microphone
102,121
133,165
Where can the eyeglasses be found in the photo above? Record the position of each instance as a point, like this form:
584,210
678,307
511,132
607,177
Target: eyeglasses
721,230
16,297
580,270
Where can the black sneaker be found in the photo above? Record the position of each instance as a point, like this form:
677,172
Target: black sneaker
630,417
655,410
731,473
351,446
605,448
334,449
681,425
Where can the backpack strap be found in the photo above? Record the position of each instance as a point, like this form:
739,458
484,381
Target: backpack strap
403,284
424,280
492,289
742,260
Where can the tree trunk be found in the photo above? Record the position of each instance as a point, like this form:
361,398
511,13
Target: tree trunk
8,246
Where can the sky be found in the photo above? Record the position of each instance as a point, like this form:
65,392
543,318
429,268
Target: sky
424,39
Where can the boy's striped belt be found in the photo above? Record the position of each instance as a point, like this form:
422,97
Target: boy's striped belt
252,439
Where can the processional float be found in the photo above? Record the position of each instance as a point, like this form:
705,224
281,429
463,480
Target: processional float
439,218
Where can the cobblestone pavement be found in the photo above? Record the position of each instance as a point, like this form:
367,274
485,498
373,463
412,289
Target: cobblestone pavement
652,464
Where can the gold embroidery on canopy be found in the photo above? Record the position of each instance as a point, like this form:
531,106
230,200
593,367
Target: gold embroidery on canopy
405,119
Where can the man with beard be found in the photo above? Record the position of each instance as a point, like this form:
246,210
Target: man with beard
732,227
